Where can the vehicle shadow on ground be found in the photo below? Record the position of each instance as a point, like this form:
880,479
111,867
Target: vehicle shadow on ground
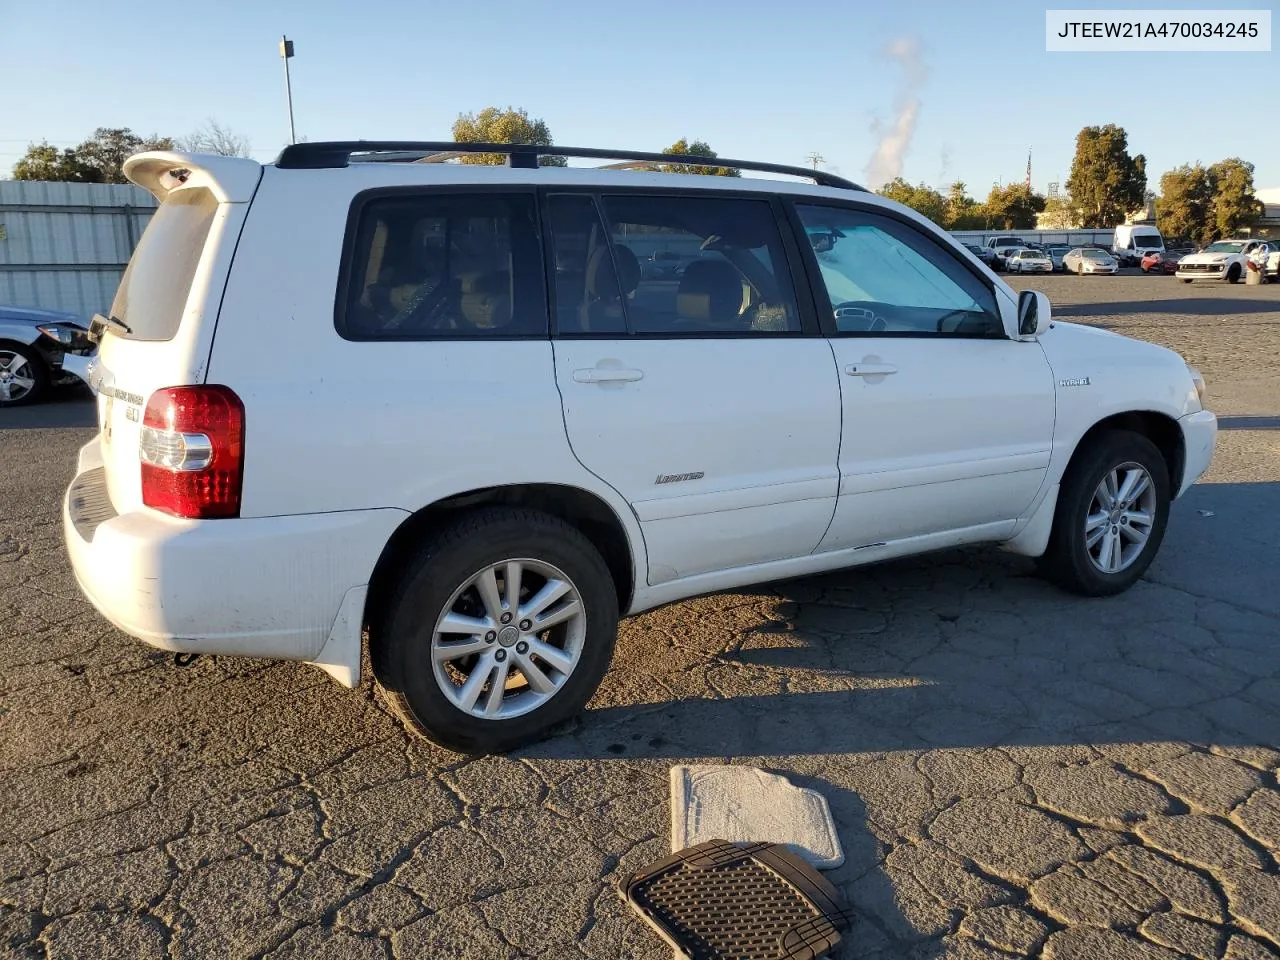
970,650
1184,306
67,407
876,921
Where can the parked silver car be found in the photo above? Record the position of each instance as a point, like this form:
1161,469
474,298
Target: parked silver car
33,345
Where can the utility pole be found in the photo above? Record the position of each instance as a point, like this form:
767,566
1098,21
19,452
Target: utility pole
286,52
816,158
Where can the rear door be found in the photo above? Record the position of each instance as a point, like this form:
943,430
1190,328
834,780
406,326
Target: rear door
706,399
164,311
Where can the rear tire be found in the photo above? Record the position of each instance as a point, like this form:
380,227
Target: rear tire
429,689
24,378
1077,558
1185,280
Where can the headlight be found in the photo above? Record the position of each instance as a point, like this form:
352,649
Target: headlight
1198,379
59,332
66,334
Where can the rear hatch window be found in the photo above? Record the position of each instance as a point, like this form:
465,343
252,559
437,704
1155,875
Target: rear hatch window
153,291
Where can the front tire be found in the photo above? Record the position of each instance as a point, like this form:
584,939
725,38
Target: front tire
501,629
24,378
1233,273
1111,516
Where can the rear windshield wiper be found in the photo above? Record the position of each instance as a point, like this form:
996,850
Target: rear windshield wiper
100,323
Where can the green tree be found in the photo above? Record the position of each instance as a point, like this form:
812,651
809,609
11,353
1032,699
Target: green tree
962,211
1012,208
44,161
1106,182
698,148
1184,209
492,125
1234,203
100,159
109,147
1060,214
921,198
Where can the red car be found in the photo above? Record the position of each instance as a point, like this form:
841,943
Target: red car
1164,262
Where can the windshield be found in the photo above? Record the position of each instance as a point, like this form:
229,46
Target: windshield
1148,242
1096,255
1224,246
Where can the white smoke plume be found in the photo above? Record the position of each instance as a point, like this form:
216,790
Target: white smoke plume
895,140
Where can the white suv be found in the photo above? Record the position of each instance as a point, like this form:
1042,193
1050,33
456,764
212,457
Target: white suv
440,403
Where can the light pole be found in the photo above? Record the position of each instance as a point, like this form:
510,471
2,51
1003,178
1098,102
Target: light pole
286,52
816,158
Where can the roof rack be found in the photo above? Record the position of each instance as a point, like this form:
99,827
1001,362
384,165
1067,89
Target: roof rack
340,153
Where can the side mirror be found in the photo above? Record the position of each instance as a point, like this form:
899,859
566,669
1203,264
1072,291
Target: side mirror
1034,313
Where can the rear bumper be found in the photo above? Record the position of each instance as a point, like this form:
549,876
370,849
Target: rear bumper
1199,435
264,587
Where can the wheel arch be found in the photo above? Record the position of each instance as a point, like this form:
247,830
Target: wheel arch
581,508
1160,428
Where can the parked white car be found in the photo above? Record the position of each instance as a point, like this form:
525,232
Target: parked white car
1227,260
1089,260
1029,261
392,431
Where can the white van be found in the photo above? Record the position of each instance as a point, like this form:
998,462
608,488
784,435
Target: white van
1132,242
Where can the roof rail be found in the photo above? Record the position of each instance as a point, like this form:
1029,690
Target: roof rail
339,153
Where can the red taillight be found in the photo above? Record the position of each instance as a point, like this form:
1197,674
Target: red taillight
192,452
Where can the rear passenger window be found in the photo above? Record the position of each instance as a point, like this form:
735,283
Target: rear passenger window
692,266
453,266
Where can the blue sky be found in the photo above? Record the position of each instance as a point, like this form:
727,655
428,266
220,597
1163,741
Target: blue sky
757,79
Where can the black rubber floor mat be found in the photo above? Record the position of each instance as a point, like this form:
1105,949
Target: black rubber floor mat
721,901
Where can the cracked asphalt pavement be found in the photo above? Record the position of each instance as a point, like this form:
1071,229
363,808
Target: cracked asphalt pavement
1014,772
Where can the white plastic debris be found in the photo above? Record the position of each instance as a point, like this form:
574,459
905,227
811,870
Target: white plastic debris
747,804
1206,513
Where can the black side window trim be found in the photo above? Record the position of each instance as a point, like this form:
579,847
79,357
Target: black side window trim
351,236
818,288
795,266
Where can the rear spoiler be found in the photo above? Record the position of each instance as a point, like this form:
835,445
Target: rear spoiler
159,172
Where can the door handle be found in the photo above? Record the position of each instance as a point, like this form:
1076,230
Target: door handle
870,369
607,375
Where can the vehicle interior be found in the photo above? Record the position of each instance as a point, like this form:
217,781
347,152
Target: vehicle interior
879,284
442,267
728,283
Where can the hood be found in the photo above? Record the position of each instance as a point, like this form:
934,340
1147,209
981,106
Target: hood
1065,338
31,316
1208,257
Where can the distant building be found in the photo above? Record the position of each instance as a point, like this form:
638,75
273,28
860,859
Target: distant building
1269,225
1145,216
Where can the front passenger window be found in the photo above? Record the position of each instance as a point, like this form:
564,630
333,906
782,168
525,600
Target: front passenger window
885,278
